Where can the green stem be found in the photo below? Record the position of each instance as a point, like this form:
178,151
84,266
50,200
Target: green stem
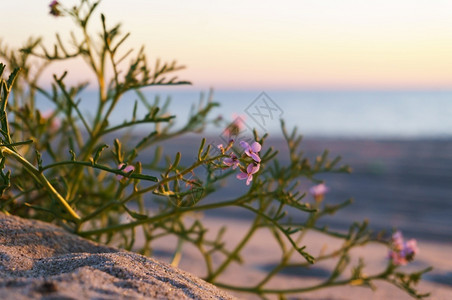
234,254
177,253
160,217
283,291
306,255
128,124
101,167
172,178
324,284
38,175
98,124
285,258
136,193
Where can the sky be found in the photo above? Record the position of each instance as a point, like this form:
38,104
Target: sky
271,45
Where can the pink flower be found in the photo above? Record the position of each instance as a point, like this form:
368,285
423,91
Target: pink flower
410,249
54,10
228,146
402,252
236,126
396,258
250,170
253,150
397,241
127,169
318,191
232,161
220,146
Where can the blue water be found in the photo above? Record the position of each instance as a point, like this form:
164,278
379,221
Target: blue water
343,114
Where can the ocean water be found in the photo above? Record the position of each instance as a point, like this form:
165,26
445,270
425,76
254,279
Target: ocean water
335,114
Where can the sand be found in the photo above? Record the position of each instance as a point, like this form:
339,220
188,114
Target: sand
42,261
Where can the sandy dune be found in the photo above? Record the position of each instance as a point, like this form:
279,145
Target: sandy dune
41,261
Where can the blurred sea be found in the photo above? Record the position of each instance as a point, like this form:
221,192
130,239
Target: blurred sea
341,114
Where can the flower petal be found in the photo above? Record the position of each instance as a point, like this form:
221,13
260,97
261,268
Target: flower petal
318,190
242,176
249,179
245,145
410,248
252,168
397,240
228,161
256,147
255,157
128,169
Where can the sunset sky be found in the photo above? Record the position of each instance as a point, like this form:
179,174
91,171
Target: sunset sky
329,44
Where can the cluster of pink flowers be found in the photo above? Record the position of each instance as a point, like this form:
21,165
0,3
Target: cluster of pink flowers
402,252
233,161
253,152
